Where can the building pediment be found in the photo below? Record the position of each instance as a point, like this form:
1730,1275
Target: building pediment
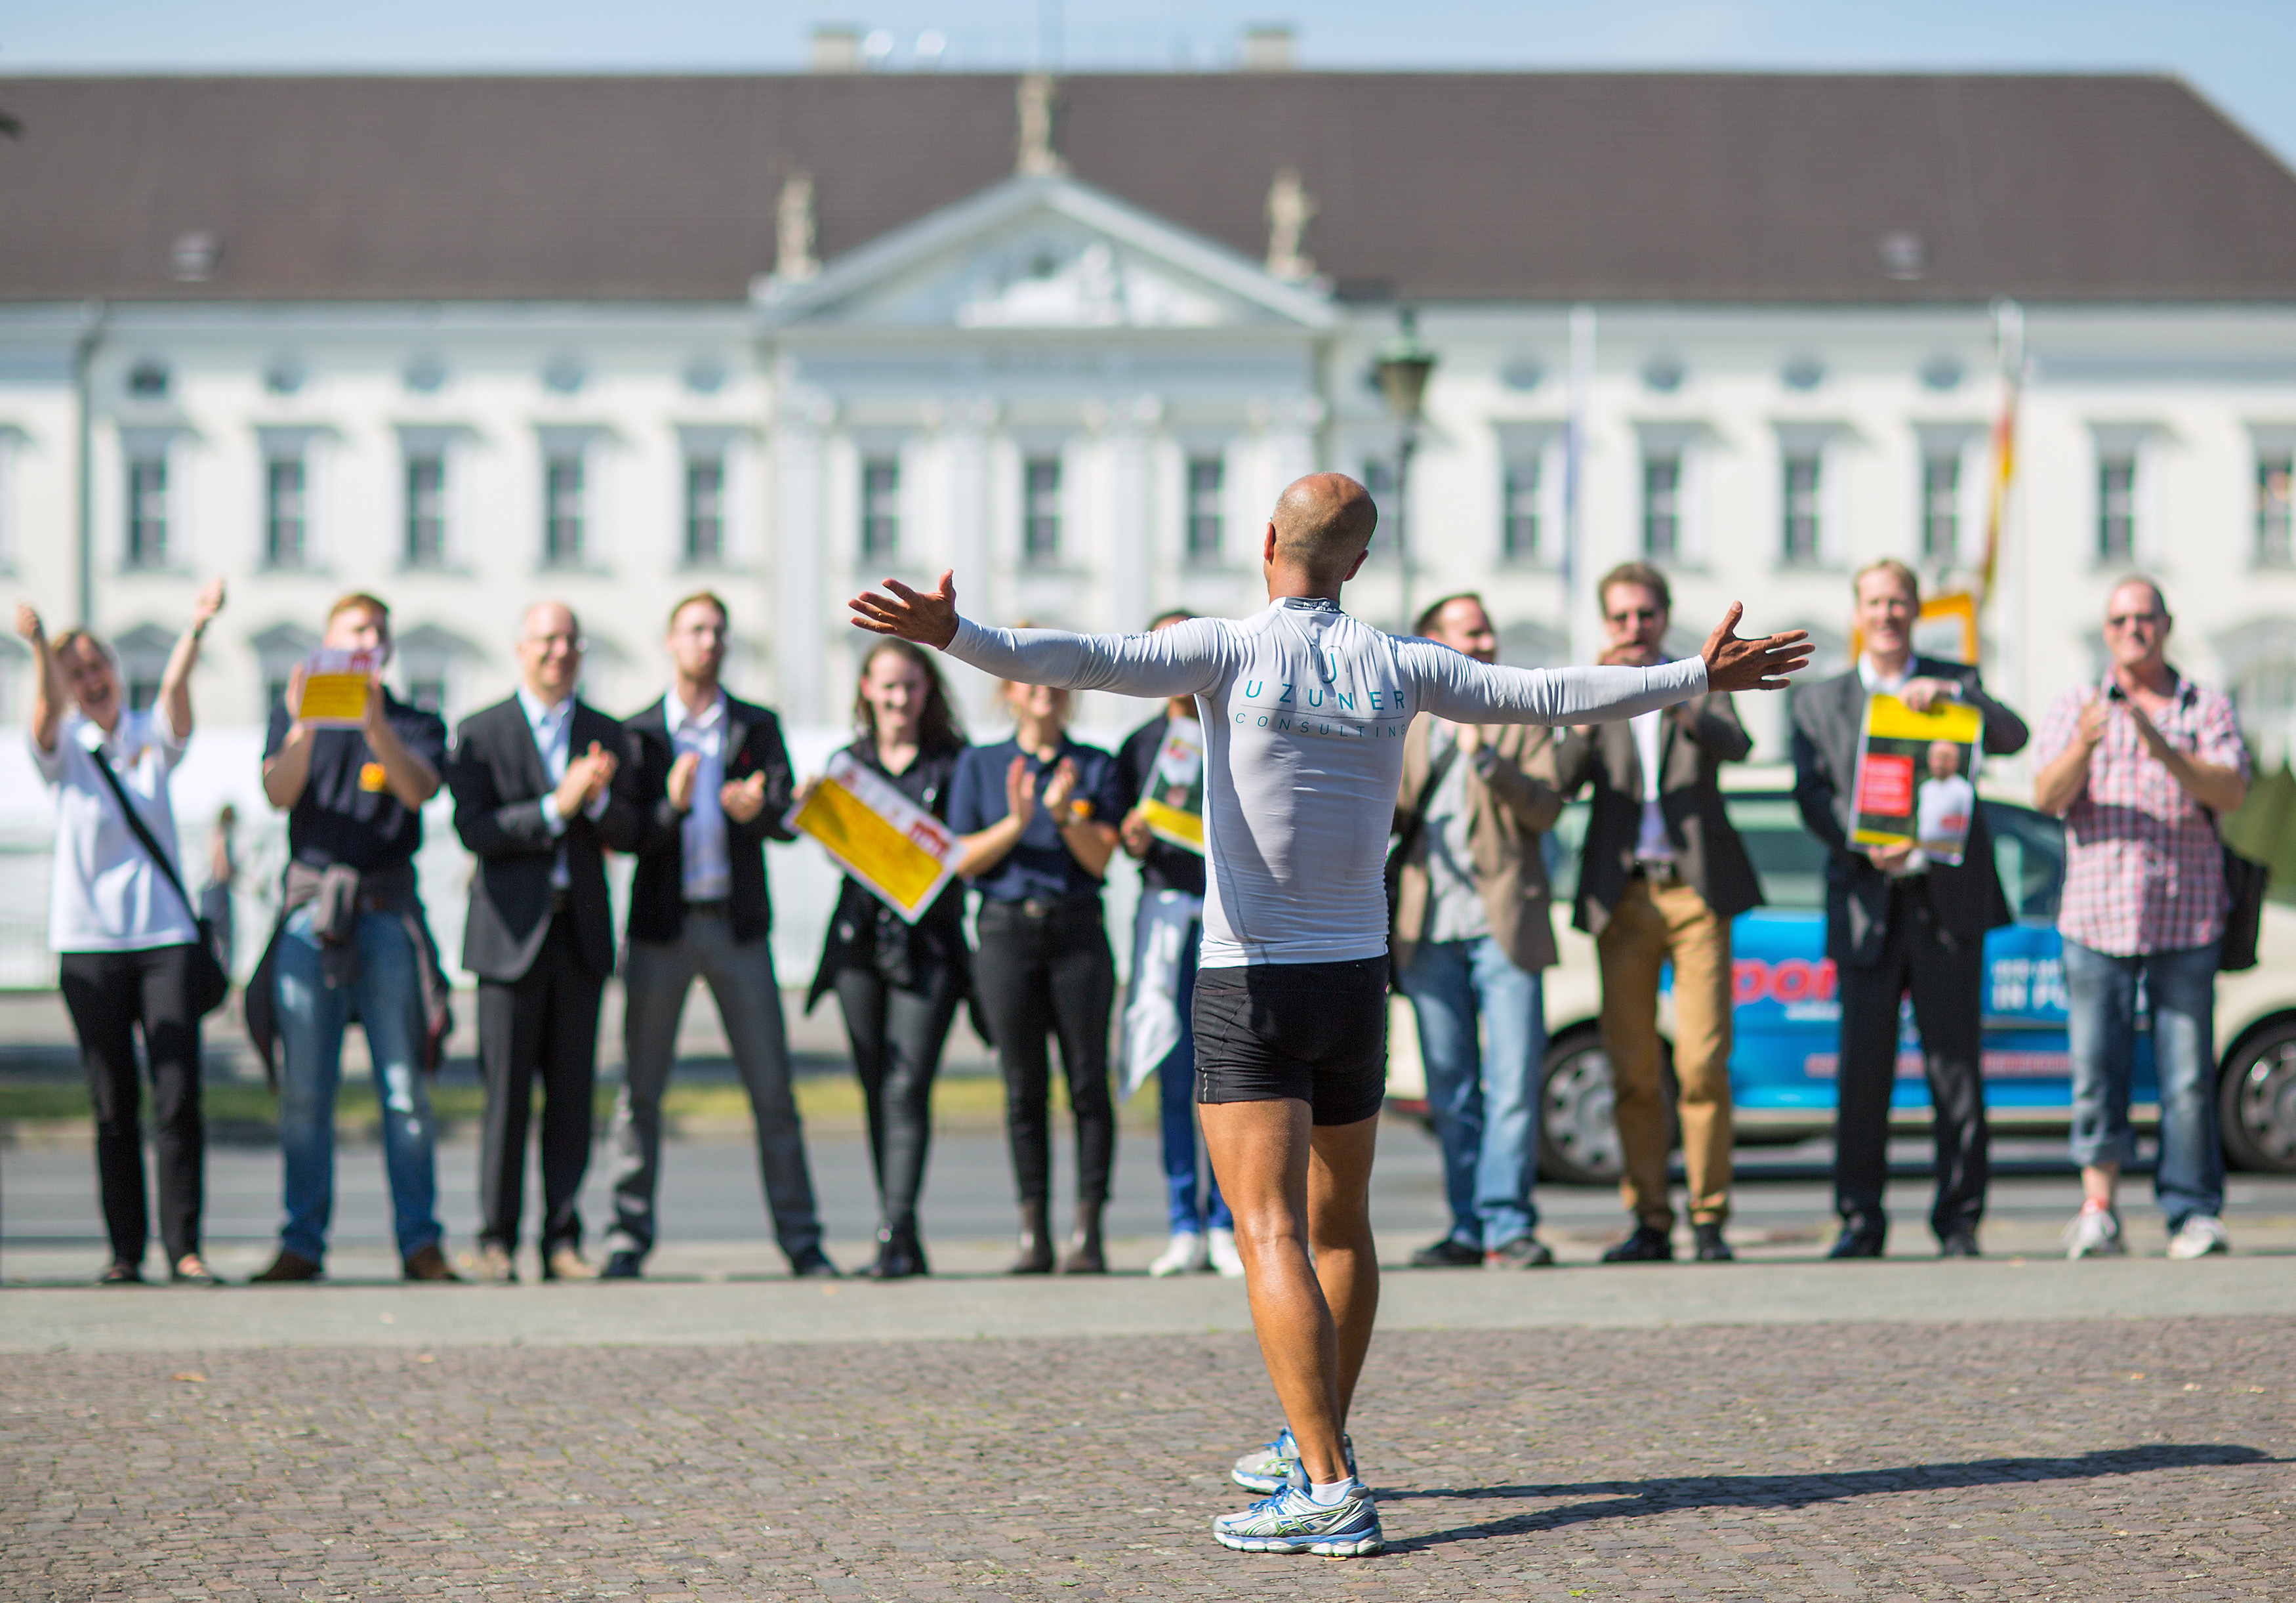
1041,252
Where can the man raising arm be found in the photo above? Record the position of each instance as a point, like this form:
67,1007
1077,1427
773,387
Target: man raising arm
1304,710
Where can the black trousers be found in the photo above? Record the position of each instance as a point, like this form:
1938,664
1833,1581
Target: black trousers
111,995
544,1024
898,1035
1042,974
1945,974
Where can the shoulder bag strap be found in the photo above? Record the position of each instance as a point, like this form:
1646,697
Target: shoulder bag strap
1409,836
143,835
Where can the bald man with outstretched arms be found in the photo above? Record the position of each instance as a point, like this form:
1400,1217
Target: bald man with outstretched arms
1304,710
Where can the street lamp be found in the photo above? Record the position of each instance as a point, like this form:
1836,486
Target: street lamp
1403,366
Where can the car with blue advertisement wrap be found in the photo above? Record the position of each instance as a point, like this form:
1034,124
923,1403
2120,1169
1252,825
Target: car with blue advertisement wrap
1787,1017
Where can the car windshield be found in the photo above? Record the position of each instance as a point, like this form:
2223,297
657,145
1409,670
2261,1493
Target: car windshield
2029,851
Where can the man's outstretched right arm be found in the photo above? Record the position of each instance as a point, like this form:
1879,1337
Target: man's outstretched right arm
1179,660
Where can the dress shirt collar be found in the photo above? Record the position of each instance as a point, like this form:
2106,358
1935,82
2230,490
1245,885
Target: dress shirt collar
675,716
1870,674
542,715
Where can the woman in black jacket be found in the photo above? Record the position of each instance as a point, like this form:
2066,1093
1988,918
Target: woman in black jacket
899,985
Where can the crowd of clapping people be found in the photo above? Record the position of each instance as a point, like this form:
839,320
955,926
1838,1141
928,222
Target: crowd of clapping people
693,786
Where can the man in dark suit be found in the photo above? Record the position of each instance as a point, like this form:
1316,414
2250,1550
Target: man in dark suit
1660,877
712,783
540,791
1897,921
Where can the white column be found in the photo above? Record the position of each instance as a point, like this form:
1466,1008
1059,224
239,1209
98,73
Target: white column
1134,598
802,537
967,445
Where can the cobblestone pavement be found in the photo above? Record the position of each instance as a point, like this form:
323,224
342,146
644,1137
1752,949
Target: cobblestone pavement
2093,1460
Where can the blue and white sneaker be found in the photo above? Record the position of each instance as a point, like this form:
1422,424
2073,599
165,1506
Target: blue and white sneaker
1269,1467
1291,1521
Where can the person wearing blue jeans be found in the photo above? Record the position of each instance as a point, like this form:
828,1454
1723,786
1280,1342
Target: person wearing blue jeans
352,943
1485,1101
2180,994
387,996
1159,1022
1472,935
2140,768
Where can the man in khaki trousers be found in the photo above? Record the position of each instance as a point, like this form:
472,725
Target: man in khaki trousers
1661,877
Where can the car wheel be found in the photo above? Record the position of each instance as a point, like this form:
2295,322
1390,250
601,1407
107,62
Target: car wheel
2256,1102
1577,1125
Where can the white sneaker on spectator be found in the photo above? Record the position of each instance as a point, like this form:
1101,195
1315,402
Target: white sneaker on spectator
2198,1236
1184,1253
1221,1245
2095,1233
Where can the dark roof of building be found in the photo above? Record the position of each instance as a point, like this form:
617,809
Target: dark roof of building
1453,187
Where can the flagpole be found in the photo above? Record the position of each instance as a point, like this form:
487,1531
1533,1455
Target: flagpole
2007,632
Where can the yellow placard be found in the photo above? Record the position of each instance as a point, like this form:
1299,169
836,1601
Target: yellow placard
898,849
334,698
1181,828
1889,718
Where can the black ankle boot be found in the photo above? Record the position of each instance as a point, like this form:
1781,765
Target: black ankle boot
1083,1256
899,1255
1036,1255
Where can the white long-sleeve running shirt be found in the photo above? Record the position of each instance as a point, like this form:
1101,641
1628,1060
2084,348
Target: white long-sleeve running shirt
1304,710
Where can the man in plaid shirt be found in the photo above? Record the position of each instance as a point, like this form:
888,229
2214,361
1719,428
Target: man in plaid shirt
2136,766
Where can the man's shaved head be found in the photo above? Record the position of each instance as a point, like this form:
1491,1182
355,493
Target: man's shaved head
1323,524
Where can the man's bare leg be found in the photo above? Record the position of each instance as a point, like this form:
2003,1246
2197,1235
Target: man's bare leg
1291,1184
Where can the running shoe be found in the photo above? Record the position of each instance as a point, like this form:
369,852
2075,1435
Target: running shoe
1182,1255
2201,1235
1270,1468
1291,1521
2095,1233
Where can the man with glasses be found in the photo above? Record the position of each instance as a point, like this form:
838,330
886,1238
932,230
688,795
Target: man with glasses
1898,921
1660,877
2140,768
712,779
540,790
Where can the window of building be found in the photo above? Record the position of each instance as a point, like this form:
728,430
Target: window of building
1801,519
426,511
1662,507
1041,529
562,521
428,693
2116,509
144,690
1519,511
147,512
1207,478
705,511
2276,499
1940,507
286,526
881,507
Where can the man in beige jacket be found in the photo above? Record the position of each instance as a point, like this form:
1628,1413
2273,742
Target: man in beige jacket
1661,875
1472,935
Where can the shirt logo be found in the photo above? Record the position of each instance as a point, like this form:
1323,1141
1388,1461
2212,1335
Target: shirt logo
372,779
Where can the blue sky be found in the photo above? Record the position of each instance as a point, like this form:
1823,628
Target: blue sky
2236,51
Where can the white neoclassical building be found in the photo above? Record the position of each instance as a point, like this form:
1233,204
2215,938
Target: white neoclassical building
468,342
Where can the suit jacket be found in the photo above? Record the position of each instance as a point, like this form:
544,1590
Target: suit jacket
1508,808
498,779
1708,853
751,744
1966,899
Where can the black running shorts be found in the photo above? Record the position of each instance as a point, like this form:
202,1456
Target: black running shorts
1315,1032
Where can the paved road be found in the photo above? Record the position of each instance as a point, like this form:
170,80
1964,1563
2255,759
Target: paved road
2104,1460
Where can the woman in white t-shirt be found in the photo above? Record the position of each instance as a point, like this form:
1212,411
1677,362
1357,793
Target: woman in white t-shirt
122,935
